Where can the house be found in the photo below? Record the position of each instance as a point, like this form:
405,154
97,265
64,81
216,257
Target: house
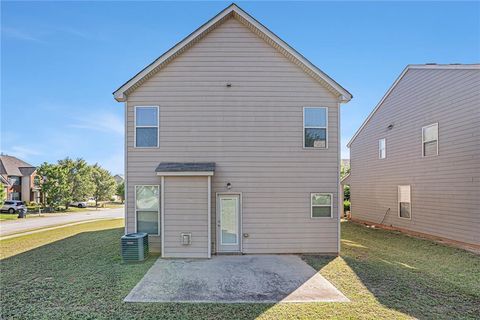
19,179
118,178
232,145
415,161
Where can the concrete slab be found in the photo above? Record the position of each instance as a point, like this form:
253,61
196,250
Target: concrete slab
234,279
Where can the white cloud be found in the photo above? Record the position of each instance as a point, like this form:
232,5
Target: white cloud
23,152
104,122
20,35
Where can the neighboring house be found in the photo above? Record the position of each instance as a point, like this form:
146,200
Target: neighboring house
232,145
415,161
118,178
19,178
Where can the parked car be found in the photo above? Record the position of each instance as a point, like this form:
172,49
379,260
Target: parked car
12,206
79,204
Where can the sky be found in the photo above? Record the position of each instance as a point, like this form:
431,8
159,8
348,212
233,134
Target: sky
61,61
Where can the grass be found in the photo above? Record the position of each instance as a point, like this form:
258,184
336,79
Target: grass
76,272
8,216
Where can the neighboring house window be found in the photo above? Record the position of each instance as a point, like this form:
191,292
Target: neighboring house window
404,203
430,140
146,127
147,208
382,148
15,196
14,180
36,181
321,205
315,124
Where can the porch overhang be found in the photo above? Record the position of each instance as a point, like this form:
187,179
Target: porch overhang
172,169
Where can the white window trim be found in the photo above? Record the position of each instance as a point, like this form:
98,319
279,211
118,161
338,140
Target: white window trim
315,127
135,126
159,207
385,148
312,205
423,139
398,201
237,200
217,206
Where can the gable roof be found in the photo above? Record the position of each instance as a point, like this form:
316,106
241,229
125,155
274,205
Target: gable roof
232,11
12,166
429,66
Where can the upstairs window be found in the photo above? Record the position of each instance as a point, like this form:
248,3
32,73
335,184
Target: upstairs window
146,127
382,149
430,140
14,181
315,128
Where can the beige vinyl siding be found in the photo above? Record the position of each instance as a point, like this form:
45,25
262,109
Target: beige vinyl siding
445,189
253,131
186,205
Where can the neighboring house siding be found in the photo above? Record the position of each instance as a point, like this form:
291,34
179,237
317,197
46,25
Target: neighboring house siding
445,189
253,131
186,205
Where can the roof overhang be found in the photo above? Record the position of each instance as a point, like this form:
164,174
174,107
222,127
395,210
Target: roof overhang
409,67
182,169
233,10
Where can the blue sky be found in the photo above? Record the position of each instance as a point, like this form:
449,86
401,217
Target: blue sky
60,61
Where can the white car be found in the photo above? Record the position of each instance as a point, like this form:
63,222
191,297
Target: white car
12,206
79,204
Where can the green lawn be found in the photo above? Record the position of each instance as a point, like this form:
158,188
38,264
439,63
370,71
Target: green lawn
76,272
8,216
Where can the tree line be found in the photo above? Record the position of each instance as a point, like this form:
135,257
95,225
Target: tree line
70,180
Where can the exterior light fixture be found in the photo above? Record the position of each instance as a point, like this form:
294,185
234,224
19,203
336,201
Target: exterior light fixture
229,185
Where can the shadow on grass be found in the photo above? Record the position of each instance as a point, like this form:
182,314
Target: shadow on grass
416,277
83,276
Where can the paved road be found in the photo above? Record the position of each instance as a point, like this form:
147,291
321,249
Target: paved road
48,220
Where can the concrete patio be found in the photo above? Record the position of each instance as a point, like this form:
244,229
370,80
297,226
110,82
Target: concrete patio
234,279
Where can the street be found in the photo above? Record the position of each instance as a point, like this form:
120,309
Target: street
54,219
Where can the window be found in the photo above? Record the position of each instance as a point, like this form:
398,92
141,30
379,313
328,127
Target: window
382,149
430,140
14,180
146,127
321,205
15,196
404,203
315,124
147,208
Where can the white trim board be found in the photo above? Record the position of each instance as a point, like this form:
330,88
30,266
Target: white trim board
233,10
400,77
185,173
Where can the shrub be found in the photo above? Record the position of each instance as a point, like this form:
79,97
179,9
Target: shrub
346,205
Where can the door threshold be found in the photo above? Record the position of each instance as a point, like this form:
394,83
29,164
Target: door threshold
229,253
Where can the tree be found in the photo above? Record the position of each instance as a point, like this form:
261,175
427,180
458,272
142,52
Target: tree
79,180
103,184
55,184
121,190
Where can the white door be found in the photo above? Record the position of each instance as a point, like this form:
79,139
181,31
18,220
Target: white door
228,223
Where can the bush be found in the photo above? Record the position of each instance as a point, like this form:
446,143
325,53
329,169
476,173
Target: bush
346,205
